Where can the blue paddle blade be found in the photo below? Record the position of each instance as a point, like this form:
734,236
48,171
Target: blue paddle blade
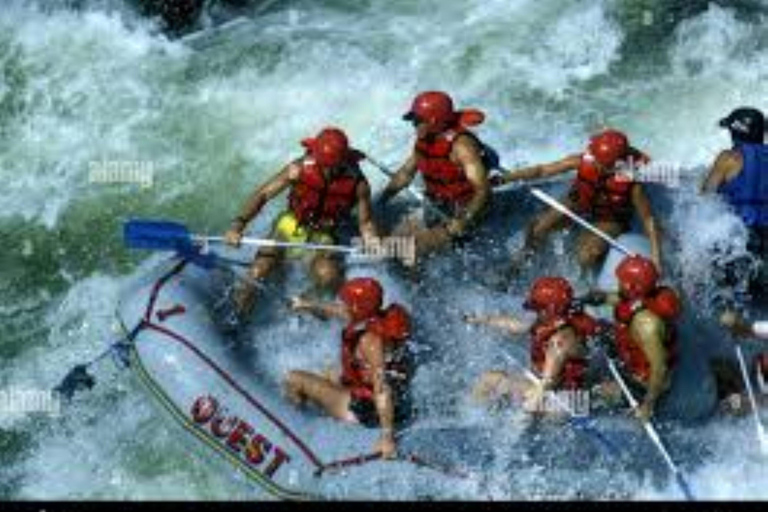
156,234
78,378
166,235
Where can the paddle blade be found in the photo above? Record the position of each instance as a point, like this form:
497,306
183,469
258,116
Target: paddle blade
78,378
156,234
684,487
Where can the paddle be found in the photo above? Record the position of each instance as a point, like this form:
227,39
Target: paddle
651,431
78,378
761,435
530,183
554,203
174,236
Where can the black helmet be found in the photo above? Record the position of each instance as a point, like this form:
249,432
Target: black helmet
746,125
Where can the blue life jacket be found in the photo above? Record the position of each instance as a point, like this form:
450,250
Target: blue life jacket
748,192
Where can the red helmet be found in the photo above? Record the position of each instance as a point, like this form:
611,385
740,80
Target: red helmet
395,324
552,295
434,108
637,276
363,296
330,148
609,147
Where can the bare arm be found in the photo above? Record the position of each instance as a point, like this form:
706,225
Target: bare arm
263,194
726,166
563,345
467,154
258,199
643,208
372,351
365,211
544,170
504,322
649,331
323,310
740,327
401,179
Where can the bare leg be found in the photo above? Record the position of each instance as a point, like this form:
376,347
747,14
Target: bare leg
327,273
730,387
426,241
430,241
608,393
496,385
302,387
409,225
536,234
244,295
591,249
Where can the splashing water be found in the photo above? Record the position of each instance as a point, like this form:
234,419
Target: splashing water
102,118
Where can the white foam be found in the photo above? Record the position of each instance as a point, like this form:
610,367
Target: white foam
220,121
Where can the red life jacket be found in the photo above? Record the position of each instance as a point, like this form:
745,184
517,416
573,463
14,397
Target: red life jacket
322,203
445,180
542,331
663,302
603,196
393,326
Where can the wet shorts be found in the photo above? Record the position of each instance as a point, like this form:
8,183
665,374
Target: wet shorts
365,411
287,228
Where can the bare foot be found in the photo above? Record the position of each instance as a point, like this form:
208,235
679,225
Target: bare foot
292,390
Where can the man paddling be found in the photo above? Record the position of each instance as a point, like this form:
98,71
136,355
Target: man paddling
604,192
740,176
372,388
325,185
559,337
644,329
450,159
